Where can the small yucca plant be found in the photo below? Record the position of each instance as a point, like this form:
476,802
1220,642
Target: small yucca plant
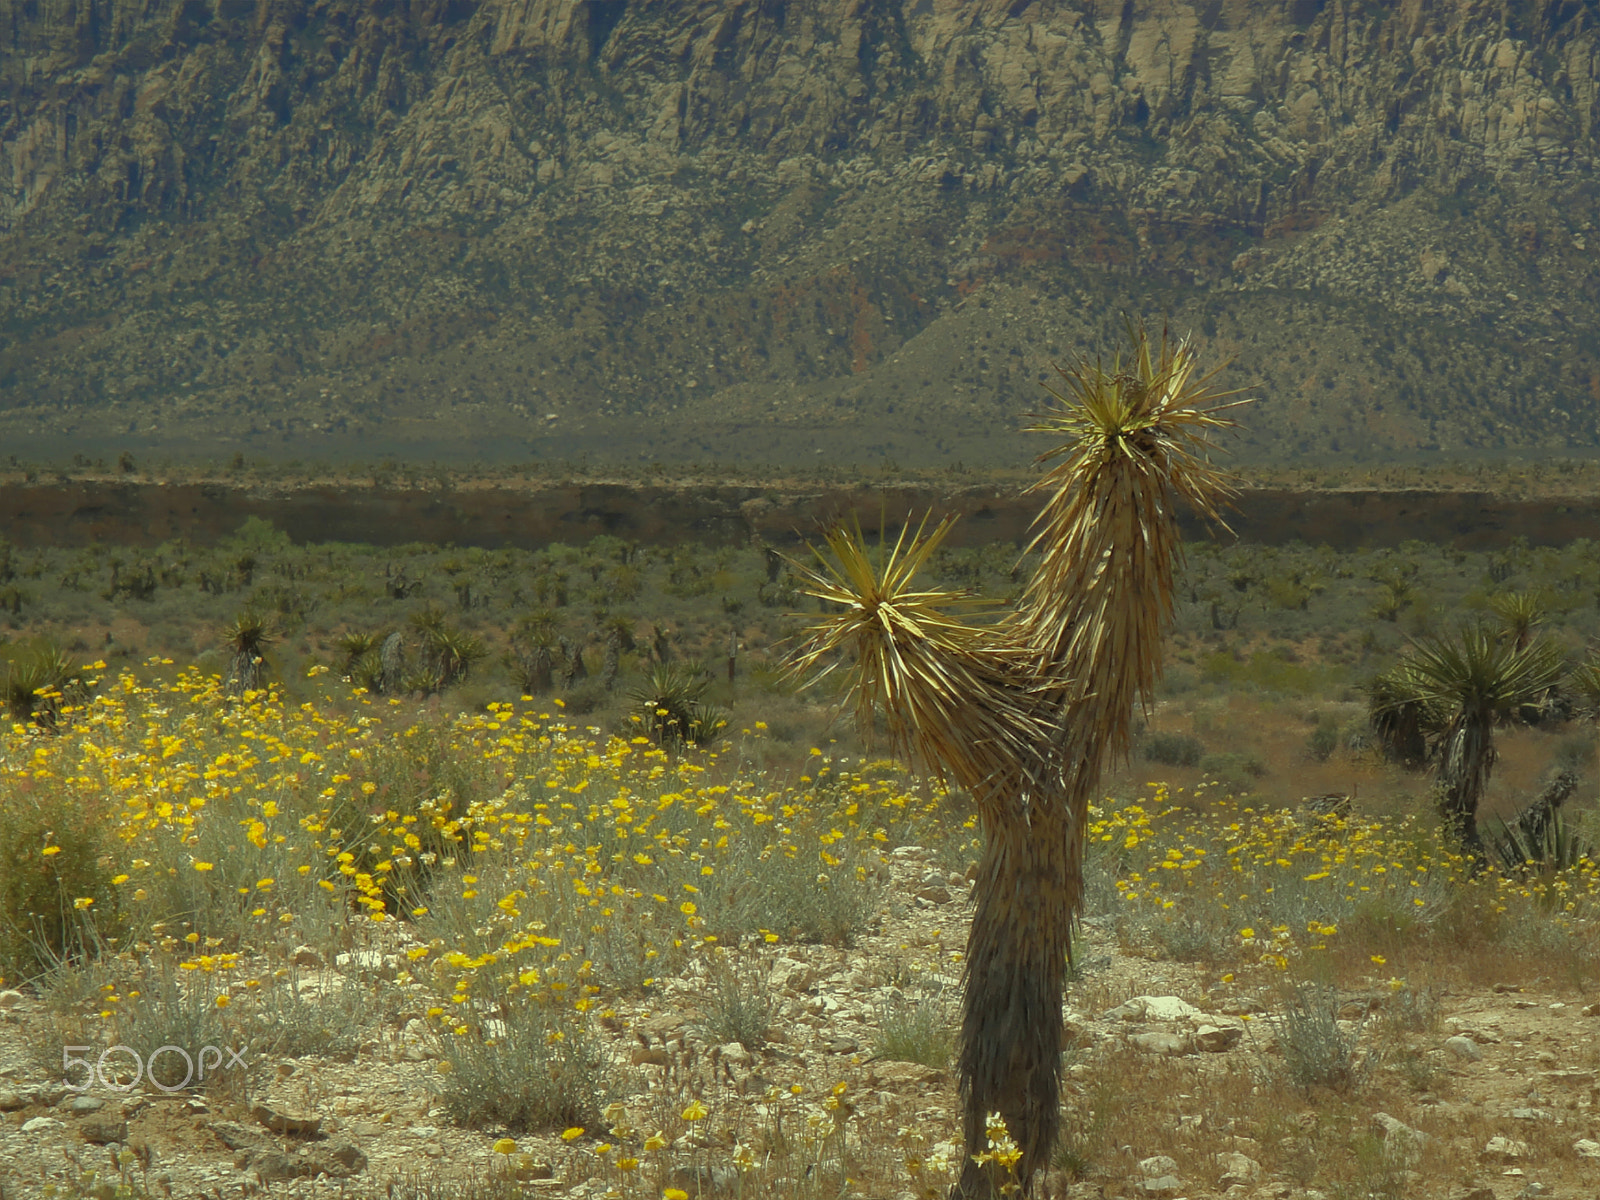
355,646
247,639
671,705
1461,685
40,683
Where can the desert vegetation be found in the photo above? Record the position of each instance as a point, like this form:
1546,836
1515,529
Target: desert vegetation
555,832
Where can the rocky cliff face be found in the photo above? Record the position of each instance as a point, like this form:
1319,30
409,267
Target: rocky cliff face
849,228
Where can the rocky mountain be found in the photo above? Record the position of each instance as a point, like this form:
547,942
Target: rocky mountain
837,230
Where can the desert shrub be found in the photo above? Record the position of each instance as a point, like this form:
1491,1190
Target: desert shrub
1322,741
1172,749
1316,1051
329,1019
917,1028
1199,935
740,1006
532,1069
1236,772
55,889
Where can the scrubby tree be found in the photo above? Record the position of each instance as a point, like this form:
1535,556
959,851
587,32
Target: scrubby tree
1025,710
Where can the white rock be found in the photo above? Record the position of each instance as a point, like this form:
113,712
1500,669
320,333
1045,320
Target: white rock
361,960
1402,1141
40,1125
1154,1008
1215,1039
1504,1149
1159,1041
1164,1185
1158,1165
1237,1169
788,975
735,1053
1586,1148
1463,1047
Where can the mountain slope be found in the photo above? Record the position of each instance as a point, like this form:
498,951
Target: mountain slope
747,228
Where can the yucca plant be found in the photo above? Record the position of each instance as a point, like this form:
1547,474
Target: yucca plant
535,647
355,646
1025,710
40,683
1468,682
671,705
247,639
1584,682
1520,614
1400,716
1541,837
367,672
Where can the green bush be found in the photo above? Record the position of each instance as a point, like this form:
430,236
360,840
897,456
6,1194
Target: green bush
741,1007
1235,772
1172,749
1322,742
919,1029
49,864
1316,1051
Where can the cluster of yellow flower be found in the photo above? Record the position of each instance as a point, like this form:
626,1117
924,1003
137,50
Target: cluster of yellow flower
1299,877
518,853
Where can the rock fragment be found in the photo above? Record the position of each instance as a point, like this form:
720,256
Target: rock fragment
1214,1039
1505,1150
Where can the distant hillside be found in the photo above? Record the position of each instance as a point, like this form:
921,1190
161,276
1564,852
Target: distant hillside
839,230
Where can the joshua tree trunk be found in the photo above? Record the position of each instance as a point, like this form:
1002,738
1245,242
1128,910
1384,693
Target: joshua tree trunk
612,662
392,660
1466,758
1017,954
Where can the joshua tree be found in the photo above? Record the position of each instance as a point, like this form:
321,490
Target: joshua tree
618,640
533,651
1460,686
1025,711
391,664
1520,613
573,668
247,639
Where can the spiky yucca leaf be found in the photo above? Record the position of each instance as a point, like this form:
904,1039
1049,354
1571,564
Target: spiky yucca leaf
1475,671
1520,613
1585,681
1400,715
950,693
1136,435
